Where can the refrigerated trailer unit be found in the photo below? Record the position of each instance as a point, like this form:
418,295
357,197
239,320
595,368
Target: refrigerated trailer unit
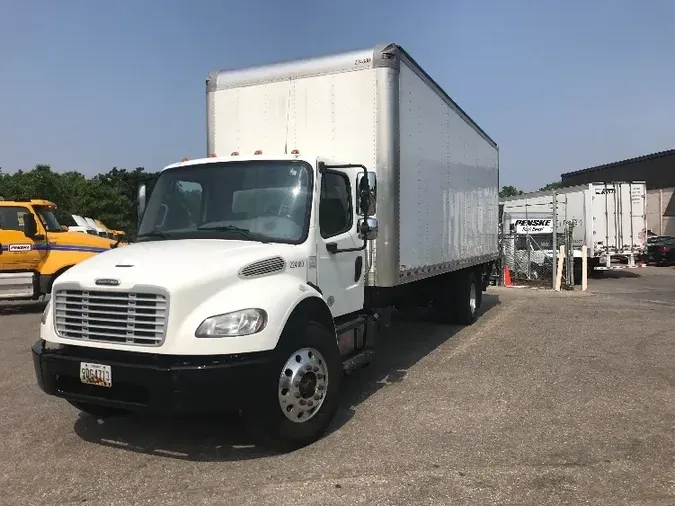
609,218
335,189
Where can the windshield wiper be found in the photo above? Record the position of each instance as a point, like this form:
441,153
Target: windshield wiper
155,233
244,232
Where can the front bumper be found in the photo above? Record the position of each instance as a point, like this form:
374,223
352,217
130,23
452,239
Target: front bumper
153,382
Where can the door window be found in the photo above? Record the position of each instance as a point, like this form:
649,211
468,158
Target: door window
335,205
11,218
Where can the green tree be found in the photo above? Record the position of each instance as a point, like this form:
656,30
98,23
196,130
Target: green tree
552,186
109,197
510,191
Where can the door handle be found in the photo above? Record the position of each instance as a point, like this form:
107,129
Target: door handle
358,268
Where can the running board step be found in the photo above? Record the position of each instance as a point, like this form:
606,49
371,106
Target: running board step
362,359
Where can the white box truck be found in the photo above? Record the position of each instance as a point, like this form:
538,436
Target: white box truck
334,189
609,218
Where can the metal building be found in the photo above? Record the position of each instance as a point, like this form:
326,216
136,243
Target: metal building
656,169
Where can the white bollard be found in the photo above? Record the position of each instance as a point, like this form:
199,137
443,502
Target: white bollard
559,269
584,268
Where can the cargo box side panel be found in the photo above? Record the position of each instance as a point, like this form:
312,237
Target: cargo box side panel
619,217
330,114
448,188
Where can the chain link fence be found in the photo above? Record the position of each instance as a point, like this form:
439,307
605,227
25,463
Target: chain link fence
530,243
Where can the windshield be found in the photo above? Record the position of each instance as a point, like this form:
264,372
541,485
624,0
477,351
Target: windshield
48,219
252,200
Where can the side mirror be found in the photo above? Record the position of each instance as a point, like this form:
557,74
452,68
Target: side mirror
141,200
368,228
29,225
366,203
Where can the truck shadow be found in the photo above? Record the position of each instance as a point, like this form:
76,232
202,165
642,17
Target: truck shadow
411,337
620,273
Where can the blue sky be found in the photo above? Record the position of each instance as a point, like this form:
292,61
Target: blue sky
88,85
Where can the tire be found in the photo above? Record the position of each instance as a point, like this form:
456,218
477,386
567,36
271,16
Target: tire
578,271
460,304
281,417
96,410
466,305
480,285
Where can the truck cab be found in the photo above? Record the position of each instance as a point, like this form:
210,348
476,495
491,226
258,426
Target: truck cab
243,267
35,249
305,211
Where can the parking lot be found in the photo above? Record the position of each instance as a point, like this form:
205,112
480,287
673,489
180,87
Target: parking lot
550,398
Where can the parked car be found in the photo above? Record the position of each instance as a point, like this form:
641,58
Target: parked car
661,250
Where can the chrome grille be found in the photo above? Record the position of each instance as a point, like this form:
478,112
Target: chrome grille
114,317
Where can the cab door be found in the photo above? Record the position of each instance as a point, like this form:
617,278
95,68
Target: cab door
340,274
18,252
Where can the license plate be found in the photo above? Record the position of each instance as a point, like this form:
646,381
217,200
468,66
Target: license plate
96,374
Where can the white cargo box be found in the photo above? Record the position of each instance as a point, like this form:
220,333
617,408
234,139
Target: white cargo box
438,172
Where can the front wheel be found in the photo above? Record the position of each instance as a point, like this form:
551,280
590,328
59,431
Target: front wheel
300,394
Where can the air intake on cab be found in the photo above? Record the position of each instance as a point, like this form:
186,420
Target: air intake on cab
263,268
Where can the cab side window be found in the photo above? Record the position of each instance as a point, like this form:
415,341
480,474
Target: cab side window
335,205
11,218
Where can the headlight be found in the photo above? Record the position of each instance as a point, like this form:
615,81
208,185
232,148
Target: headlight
237,323
43,320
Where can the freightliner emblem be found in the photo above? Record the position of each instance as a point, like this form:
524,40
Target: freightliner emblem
108,282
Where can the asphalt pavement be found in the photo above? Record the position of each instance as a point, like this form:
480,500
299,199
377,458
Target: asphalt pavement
550,398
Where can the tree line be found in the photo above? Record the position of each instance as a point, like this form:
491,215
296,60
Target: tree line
109,197
512,191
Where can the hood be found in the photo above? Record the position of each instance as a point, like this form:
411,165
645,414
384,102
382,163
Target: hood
75,239
176,264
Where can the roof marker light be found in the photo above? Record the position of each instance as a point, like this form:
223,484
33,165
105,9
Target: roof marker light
185,159
212,155
295,152
258,152
234,153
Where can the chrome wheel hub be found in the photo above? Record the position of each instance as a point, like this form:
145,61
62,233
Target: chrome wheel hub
472,298
303,383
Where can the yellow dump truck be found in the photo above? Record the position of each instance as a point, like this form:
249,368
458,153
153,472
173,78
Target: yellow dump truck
35,249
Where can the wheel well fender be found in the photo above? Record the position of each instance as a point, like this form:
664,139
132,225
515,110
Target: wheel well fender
311,309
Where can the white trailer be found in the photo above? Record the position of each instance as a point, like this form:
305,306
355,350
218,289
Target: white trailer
335,189
609,218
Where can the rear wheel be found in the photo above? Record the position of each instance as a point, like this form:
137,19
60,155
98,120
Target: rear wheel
459,304
300,394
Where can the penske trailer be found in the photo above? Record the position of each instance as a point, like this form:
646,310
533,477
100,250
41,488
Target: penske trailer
334,190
